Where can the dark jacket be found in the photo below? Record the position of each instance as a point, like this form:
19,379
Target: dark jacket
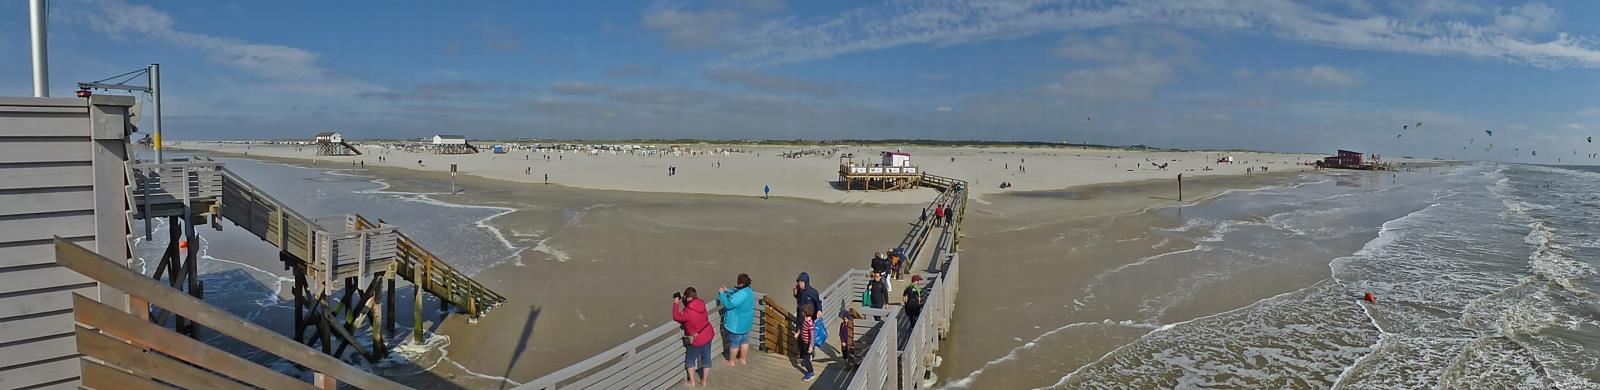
880,265
880,293
809,295
913,302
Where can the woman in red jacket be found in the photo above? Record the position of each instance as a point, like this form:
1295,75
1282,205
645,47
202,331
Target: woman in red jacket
690,312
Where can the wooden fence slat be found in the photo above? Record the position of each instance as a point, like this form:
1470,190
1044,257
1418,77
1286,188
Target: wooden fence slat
147,335
144,362
100,376
110,273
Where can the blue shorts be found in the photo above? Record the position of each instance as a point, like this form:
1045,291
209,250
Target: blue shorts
698,355
735,340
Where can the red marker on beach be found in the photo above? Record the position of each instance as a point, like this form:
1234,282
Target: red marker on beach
1370,298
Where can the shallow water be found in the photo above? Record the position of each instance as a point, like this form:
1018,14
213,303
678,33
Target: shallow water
1473,267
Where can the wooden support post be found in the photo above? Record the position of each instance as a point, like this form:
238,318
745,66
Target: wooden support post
299,301
388,301
416,312
324,327
379,350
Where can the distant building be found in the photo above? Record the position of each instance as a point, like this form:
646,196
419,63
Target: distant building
329,138
896,159
452,144
447,139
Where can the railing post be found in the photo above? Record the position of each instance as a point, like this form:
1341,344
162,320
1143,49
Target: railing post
324,381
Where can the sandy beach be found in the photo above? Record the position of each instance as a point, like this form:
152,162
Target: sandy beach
745,174
595,266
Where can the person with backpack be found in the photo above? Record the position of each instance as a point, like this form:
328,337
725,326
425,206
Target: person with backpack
913,298
690,313
739,311
807,337
894,262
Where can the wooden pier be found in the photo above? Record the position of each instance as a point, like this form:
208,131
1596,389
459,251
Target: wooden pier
894,353
345,256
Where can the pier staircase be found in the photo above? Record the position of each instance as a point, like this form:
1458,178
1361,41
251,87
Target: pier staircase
348,256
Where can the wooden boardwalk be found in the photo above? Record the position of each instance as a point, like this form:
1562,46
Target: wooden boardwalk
895,352
773,371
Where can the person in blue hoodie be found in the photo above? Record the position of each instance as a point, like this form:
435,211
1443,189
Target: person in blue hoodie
738,312
804,293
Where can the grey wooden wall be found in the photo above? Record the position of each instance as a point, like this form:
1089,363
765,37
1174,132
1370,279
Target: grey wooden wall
61,174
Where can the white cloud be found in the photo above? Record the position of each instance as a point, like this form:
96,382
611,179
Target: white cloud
1133,81
949,22
943,108
692,30
1526,19
764,82
1592,111
290,68
1320,75
1243,73
577,88
1576,126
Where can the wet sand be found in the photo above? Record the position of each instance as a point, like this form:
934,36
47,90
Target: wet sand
600,265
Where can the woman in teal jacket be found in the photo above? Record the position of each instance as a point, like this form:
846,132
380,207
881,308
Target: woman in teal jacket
738,312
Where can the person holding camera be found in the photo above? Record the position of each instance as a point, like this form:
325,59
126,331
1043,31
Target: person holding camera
690,312
738,305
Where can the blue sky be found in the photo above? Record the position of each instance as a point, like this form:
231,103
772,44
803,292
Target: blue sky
1261,74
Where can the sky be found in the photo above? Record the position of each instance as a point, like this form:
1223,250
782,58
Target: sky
1274,75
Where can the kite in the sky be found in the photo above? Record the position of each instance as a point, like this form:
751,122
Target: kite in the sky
1403,127
1535,152
1491,132
1419,124
1398,135
1591,140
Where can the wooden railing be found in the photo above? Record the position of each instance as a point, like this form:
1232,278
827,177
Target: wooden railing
878,366
122,351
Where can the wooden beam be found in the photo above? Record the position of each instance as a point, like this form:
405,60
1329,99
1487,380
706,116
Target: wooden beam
109,272
100,376
114,322
145,363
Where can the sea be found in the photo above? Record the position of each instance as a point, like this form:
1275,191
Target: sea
1482,275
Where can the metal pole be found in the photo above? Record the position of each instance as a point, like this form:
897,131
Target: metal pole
155,97
38,13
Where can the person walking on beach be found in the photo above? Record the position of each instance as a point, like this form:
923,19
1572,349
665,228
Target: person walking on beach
547,179
690,313
766,192
938,215
805,294
804,335
739,311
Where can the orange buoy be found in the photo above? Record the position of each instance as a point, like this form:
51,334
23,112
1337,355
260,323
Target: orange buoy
1370,298
185,244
